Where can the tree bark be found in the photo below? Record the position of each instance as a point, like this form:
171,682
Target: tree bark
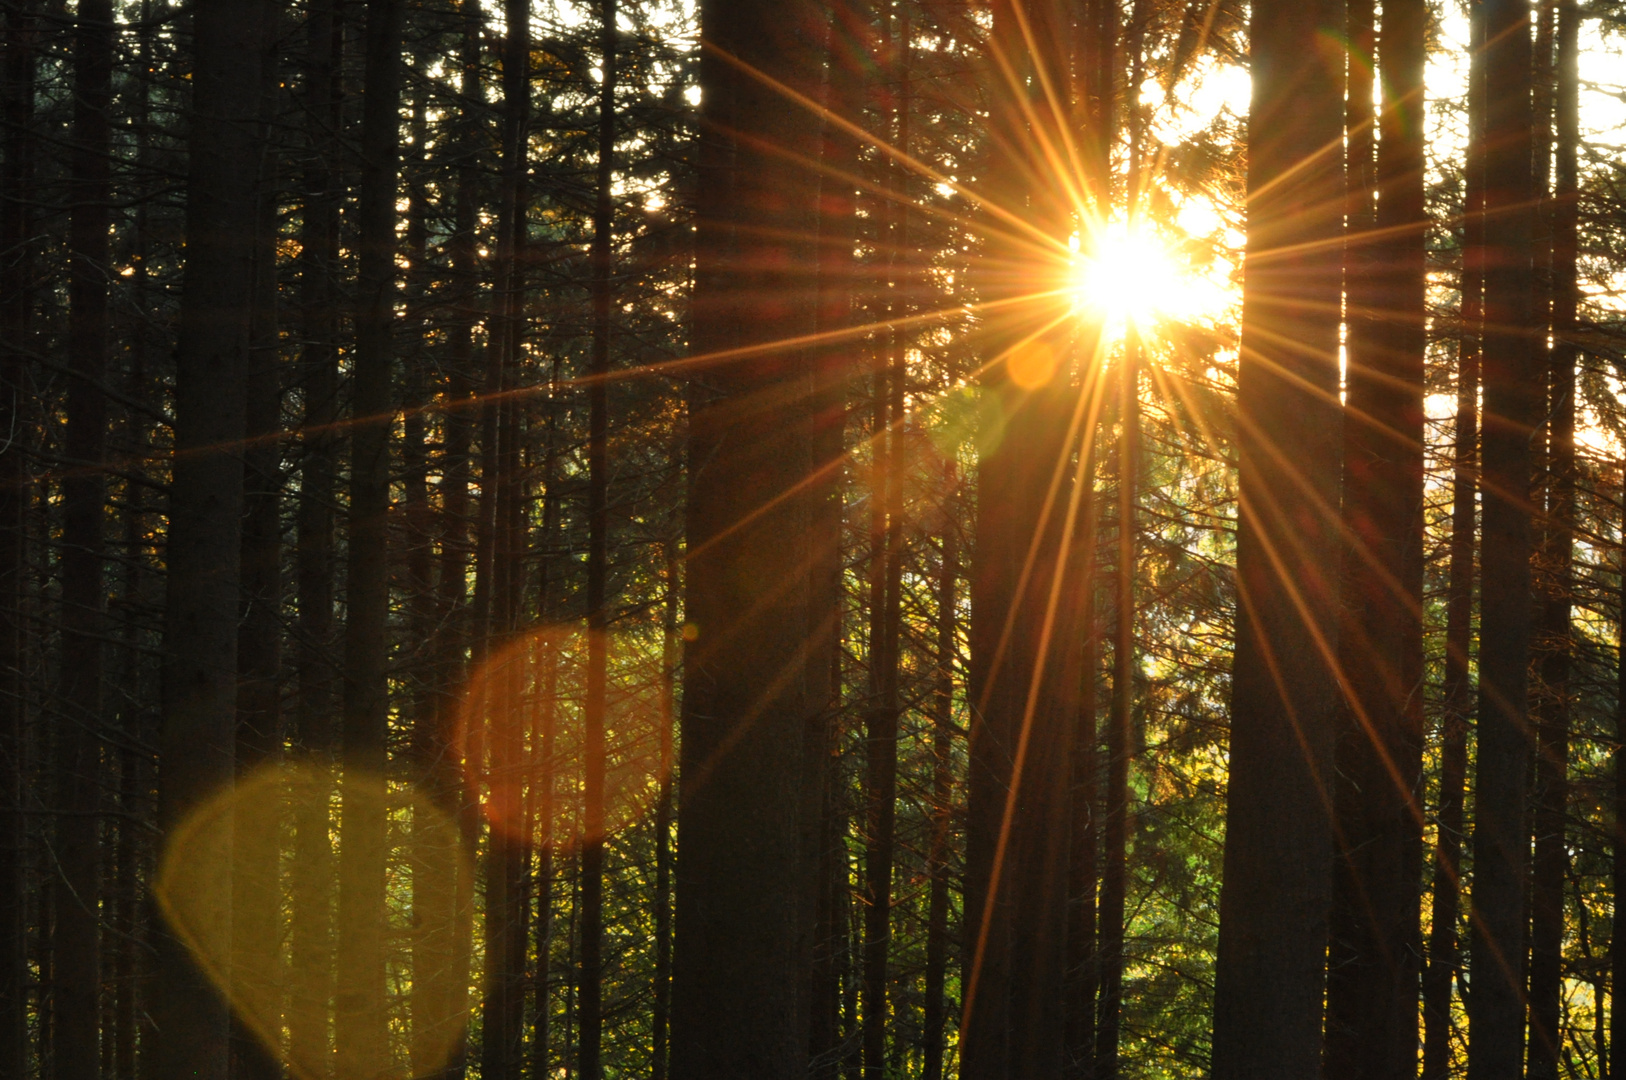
256,880
1270,973
360,1021
1024,673
849,43
206,500
942,809
1512,408
598,554
76,944
740,941
1550,868
1444,947
1376,932
311,871
16,286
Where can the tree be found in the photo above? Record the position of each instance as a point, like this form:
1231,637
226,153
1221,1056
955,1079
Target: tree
741,918
1269,971
360,1017
206,499
1376,934
1512,408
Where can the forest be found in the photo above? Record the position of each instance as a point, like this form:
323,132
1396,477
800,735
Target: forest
836,539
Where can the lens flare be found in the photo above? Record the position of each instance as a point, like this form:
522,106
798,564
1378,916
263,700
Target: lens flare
1128,278
274,988
521,734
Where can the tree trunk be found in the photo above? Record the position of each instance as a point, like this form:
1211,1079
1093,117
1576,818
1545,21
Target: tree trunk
1024,675
670,647
76,989
361,1017
16,286
849,44
598,541
1277,879
500,583
1444,947
256,880
1550,868
1376,932
942,716
311,871
1512,404
740,941
885,535
203,549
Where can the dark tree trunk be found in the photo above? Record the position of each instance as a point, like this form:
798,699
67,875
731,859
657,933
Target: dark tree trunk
443,896
501,582
1376,932
16,286
1444,946
1269,973
311,871
670,648
1083,955
1550,867
942,805
598,554
1617,940
203,549
1512,409
740,959
1024,661
76,944
885,534
1115,824
849,41
256,881
360,1021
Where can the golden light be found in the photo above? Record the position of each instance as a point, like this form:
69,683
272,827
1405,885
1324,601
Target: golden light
1129,277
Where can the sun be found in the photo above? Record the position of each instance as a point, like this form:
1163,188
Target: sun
1128,278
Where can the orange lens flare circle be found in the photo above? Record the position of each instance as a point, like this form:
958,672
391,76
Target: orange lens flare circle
1031,364
521,735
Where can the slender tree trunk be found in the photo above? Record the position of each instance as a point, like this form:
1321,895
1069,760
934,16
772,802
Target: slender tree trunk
206,501
1550,867
1024,675
1277,875
1617,939
881,714
76,990
1376,931
849,41
360,1023
740,958
1083,947
1120,726
256,880
543,780
499,605
16,286
1115,825
598,554
1512,399
1444,947
670,646
942,717
311,870
443,896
